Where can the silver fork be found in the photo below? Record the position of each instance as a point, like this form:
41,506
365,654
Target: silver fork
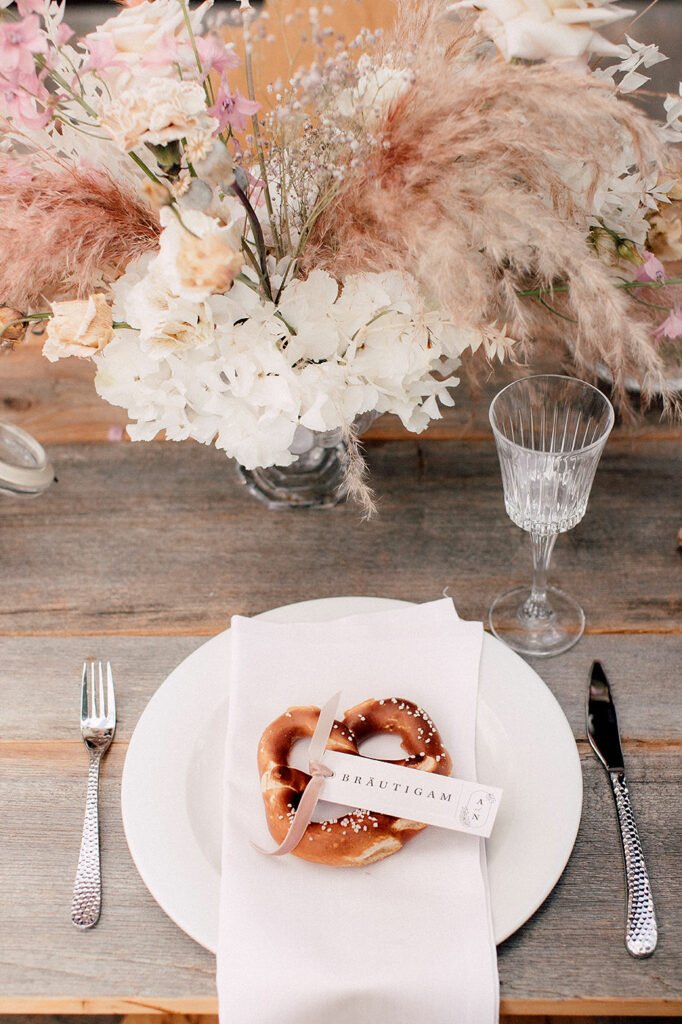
98,725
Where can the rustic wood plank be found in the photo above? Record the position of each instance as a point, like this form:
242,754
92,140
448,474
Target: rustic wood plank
161,538
158,1010
171,1018
570,955
568,1018
586,901
176,1018
174,1011
40,682
58,404
51,807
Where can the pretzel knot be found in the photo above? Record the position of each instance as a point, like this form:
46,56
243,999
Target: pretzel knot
358,837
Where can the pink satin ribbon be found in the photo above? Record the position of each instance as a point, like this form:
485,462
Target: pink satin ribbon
318,772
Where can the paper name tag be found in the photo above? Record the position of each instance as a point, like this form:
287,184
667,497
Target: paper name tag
411,794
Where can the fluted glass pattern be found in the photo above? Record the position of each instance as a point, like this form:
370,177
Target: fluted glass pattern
550,433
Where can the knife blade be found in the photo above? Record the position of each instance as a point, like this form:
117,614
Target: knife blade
641,930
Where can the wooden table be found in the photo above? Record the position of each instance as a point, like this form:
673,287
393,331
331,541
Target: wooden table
140,551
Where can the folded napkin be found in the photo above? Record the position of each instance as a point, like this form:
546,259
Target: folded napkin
408,938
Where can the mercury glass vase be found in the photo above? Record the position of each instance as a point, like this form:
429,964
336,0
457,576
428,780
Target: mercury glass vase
315,479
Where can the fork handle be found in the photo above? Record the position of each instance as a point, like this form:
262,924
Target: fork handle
641,931
87,890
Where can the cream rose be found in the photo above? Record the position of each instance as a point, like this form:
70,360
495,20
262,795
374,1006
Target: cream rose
78,328
136,31
158,111
198,256
208,264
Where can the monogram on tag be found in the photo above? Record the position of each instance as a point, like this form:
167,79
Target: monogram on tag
388,788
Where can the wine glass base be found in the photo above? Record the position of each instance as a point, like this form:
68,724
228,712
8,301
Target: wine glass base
539,636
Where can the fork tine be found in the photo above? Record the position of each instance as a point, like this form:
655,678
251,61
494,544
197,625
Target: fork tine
84,692
93,689
102,705
111,700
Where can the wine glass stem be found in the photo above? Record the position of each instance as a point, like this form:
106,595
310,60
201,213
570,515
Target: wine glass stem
537,605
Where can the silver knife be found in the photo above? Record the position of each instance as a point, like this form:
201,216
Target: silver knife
641,931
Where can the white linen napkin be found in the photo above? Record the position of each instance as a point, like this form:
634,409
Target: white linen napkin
408,938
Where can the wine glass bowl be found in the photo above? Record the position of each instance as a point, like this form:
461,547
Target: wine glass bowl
550,432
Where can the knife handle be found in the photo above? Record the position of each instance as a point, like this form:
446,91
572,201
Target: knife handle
641,930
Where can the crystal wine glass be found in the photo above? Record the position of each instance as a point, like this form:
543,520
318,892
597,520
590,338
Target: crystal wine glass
550,432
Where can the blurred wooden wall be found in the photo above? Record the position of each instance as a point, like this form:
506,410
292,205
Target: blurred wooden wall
287,20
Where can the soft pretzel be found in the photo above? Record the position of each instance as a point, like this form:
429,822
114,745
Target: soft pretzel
359,837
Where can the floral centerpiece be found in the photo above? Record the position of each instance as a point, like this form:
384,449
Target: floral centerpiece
251,270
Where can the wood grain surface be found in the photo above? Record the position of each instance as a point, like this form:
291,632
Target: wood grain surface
161,539
570,954
40,683
141,551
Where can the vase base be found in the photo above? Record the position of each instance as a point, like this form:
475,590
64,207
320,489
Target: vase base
539,637
315,480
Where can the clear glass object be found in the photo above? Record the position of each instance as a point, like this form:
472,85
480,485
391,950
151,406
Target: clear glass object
550,432
24,466
317,476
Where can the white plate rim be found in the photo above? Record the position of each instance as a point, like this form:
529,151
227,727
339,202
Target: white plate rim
147,811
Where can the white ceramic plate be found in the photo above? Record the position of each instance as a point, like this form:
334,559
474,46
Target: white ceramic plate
172,779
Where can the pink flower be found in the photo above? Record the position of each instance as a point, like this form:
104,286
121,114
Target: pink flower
64,33
216,55
19,41
101,54
233,110
17,104
652,269
671,326
30,7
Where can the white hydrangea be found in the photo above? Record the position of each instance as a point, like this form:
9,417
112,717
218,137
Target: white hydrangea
239,372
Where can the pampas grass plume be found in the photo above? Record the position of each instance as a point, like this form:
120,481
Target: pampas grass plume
65,230
464,194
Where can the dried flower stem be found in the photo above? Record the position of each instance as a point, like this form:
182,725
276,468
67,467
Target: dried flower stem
30,317
208,87
145,169
538,292
556,312
642,13
251,89
258,236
